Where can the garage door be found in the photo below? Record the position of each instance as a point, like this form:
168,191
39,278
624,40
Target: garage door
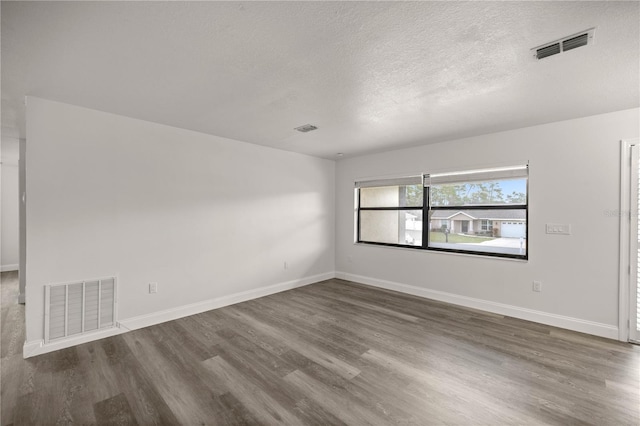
513,230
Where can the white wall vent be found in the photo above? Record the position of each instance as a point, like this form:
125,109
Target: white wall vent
78,308
580,39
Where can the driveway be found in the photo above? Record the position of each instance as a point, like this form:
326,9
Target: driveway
505,242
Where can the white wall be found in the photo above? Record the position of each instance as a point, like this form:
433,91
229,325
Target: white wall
9,248
205,217
574,178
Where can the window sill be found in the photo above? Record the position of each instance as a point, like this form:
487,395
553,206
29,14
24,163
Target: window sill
445,252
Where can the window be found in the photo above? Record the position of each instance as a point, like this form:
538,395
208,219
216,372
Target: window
390,212
476,212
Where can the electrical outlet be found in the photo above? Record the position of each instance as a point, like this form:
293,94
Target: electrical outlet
153,288
286,265
559,228
537,286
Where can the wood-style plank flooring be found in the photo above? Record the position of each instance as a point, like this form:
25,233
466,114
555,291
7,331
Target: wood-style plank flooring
330,353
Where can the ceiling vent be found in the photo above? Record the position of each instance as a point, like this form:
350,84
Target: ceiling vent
306,128
580,39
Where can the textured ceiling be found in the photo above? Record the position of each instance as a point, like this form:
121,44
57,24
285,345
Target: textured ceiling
371,75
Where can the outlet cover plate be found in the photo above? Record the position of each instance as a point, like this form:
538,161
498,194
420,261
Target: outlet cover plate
559,228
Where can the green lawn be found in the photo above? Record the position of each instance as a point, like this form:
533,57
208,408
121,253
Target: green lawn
439,237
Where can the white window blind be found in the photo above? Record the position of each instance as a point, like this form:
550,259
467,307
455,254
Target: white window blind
397,181
504,173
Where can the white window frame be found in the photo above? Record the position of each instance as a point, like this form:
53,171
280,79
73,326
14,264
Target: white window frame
445,178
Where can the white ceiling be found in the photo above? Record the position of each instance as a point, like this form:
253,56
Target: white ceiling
371,75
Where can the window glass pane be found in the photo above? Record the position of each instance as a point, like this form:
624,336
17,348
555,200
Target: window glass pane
508,191
391,226
391,196
483,231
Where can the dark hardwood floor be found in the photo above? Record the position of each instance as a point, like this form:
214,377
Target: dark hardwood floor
334,352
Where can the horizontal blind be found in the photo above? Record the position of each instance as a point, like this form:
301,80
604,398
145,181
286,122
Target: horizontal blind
504,173
397,181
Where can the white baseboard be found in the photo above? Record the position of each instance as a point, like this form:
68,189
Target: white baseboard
38,347
7,268
219,302
569,323
32,348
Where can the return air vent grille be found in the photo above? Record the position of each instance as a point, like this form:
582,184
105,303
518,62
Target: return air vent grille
580,39
79,308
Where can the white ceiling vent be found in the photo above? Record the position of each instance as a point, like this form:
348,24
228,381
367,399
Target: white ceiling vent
306,128
580,39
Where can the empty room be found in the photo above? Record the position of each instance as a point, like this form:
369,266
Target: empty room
320,213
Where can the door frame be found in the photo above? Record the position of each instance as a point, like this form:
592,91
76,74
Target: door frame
624,214
22,222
